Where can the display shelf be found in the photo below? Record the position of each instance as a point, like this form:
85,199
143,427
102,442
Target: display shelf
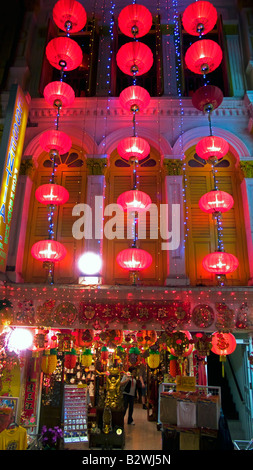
75,413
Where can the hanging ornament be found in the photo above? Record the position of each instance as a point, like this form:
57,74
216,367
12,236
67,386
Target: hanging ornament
59,94
220,263
134,200
223,344
207,98
69,15
180,343
203,56
49,361
216,201
153,359
55,141
86,358
135,21
134,354
104,353
212,147
202,344
134,98
134,259
133,147
146,338
48,250
64,53
199,18
51,193
70,359
134,58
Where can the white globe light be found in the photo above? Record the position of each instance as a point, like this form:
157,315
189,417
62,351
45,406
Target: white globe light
90,263
20,339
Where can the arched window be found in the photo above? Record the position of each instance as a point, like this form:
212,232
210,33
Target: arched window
72,174
202,233
119,178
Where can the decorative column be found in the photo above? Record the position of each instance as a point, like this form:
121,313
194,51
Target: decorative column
176,273
247,197
235,59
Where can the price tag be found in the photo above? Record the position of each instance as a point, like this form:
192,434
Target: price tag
185,384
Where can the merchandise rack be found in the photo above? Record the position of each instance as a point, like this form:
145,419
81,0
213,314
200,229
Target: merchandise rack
75,414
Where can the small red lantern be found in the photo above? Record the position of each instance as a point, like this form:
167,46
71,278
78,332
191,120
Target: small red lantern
223,344
59,94
134,259
64,53
135,20
203,56
216,201
133,147
69,15
212,147
134,98
199,18
207,98
48,250
134,58
134,200
52,194
220,263
57,141
70,359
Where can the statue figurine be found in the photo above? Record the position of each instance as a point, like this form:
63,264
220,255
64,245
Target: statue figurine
113,392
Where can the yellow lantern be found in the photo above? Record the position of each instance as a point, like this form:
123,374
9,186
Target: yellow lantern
86,358
49,361
153,359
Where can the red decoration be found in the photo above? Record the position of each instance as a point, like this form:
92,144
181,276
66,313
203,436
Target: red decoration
134,259
134,200
59,94
216,201
180,343
55,140
203,56
64,53
133,147
135,20
69,15
207,98
199,18
48,250
70,359
212,147
223,344
52,194
134,58
220,262
134,98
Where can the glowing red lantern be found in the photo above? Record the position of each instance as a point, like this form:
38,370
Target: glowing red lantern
134,98
69,15
48,250
223,344
220,263
203,56
64,54
216,201
199,18
182,345
135,20
133,147
134,200
70,359
57,141
134,58
134,259
207,98
59,94
52,194
212,147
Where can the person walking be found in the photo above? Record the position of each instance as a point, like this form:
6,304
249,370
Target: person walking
129,383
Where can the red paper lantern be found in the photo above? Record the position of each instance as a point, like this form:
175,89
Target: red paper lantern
134,58
52,194
212,147
135,20
216,201
134,259
55,140
48,250
134,200
185,347
199,18
133,147
64,53
207,98
203,56
59,94
134,98
220,263
70,359
223,343
69,15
